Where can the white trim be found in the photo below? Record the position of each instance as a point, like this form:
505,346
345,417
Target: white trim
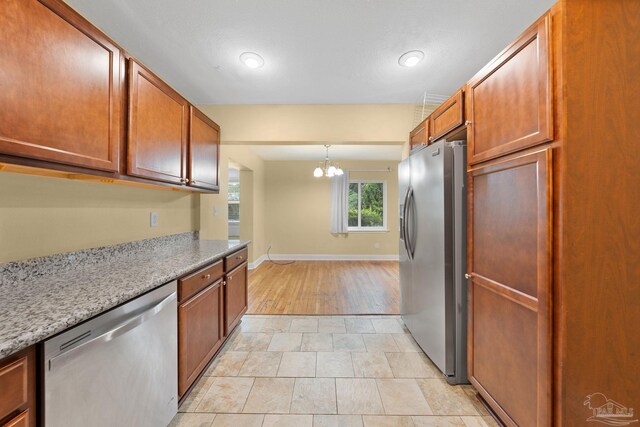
331,257
255,264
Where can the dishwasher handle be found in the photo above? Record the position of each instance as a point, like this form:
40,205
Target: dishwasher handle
114,332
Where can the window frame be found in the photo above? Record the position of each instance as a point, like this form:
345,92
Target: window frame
359,228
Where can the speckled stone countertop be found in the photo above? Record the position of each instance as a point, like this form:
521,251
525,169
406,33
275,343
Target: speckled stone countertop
43,296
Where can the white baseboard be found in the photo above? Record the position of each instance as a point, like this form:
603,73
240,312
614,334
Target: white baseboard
331,257
255,264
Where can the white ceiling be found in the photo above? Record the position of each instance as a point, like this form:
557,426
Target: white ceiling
336,152
315,51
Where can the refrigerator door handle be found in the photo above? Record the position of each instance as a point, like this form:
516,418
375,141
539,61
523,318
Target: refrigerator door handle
405,233
408,224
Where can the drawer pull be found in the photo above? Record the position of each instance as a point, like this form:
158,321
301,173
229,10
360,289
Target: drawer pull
206,276
239,257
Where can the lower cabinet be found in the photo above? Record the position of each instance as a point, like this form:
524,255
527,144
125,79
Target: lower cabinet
18,389
235,295
200,333
510,292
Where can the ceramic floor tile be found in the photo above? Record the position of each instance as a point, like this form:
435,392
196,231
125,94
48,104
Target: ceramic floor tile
406,343
359,325
337,421
194,398
270,396
261,364
412,365
192,420
331,325
402,397
276,324
387,421
473,395
438,421
388,326
334,365
305,324
227,364
238,420
314,396
380,343
288,421
484,421
285,342
251,324
358,396
251,341
298,364
447,399
317,342
348,342
371,365
226,394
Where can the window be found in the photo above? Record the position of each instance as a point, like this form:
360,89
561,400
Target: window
233,199
367,206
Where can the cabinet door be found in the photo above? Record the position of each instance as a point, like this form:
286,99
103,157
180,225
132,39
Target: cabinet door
21,420
235,296
510,99
200,333
158,115
510,296
60,86
447,116
204,149
420,135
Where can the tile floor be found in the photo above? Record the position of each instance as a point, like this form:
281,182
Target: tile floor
326,371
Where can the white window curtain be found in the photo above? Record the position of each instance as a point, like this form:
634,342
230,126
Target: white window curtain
340,203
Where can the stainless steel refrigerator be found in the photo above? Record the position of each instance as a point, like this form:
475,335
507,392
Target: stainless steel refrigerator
433,254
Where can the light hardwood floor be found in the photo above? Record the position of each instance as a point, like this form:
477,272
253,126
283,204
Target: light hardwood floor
325,287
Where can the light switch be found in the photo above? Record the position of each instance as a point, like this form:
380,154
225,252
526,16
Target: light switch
153,219
215,210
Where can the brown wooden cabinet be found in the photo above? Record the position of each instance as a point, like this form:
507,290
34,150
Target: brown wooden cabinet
158,128
18,389
200,333
204,150
510,100
61,86
420,135
447,117
510,229
235,295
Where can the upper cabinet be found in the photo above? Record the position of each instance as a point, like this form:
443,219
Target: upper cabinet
447,116
510,103
158,119
204,148
60,86
420,135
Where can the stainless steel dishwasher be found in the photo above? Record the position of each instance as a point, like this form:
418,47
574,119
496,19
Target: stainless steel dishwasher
118,369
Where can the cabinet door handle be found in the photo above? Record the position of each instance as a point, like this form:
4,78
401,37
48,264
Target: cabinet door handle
467,276
192,181
430,138
467,123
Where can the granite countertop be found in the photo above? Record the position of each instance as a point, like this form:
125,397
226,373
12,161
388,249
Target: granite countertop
43,296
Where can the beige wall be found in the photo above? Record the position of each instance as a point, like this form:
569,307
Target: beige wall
252,196
388,123
298,211
43,216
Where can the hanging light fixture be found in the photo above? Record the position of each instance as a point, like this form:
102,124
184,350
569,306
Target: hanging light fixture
327,168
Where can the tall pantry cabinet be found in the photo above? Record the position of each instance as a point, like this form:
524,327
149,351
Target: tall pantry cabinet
554,192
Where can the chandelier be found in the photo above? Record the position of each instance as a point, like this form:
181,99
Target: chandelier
327,168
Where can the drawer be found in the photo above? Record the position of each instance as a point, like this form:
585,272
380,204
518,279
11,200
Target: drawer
14,386
21,420
235,259
193,283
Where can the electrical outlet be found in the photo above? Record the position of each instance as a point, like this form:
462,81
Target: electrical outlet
215,210
153,219
376,245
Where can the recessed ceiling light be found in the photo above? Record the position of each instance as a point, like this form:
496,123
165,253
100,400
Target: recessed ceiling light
411,58
252,60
